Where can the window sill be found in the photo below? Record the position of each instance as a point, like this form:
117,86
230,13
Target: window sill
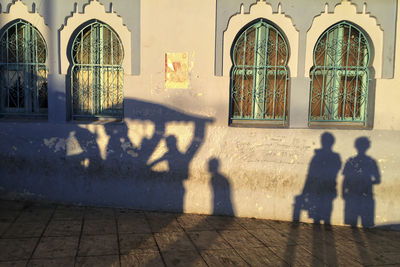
23,118
340,125
258,124
96,120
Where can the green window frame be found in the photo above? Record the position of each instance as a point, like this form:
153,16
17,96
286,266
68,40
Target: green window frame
97,75
340,76
259,75
23,71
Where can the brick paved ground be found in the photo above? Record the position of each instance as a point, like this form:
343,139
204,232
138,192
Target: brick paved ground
55,235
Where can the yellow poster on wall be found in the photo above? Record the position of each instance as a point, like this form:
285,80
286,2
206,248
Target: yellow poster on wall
176,70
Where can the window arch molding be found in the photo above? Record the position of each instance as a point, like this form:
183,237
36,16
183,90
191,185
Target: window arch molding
96,54
261,10
346,11
18,10
94,10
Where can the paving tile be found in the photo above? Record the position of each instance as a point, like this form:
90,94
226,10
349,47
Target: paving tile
387,237
183,258
352,251
148,258
380,243
344,260
4,226
193,222
99,227
328,253
133,225
99,214
297,229
59,262
221,240
368,250
163,222
98,261
97,245
13,263
270,237
56,247
208,240
17,249
63,228
367,256
391,257
317,234
11,205
8,215
131,243
222,257
296,256
240,239
25,229
260,257
252,223
224,223
173,241
35,214
281,224
68,213
129,214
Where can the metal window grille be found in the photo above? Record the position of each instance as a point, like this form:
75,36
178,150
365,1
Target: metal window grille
23,72
259,77
97,74
340,76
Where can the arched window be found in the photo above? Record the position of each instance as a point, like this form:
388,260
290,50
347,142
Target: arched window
23,72
259,76
97,75
340,76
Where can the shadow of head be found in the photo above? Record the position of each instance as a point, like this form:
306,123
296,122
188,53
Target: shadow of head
327,140
362,144
171,141
213,165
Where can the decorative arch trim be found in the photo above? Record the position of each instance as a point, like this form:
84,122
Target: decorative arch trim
94,11
346,11
261,10
18,10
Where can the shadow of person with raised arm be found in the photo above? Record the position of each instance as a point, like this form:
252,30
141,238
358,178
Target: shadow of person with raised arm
222,203
320,187
178,165
360,174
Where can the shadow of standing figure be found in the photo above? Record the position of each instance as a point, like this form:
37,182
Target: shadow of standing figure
320,187
360,174
222,204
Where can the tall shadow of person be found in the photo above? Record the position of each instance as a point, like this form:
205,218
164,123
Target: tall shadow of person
360,174
317,197
222,203
320,187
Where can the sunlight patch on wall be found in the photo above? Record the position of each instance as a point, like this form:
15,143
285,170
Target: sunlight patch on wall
73,146
138,130
159,151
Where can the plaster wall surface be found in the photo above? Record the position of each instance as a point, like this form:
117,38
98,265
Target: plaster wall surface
133,164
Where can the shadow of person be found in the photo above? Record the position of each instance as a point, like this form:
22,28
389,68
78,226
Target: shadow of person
222,203
360,174
320,187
